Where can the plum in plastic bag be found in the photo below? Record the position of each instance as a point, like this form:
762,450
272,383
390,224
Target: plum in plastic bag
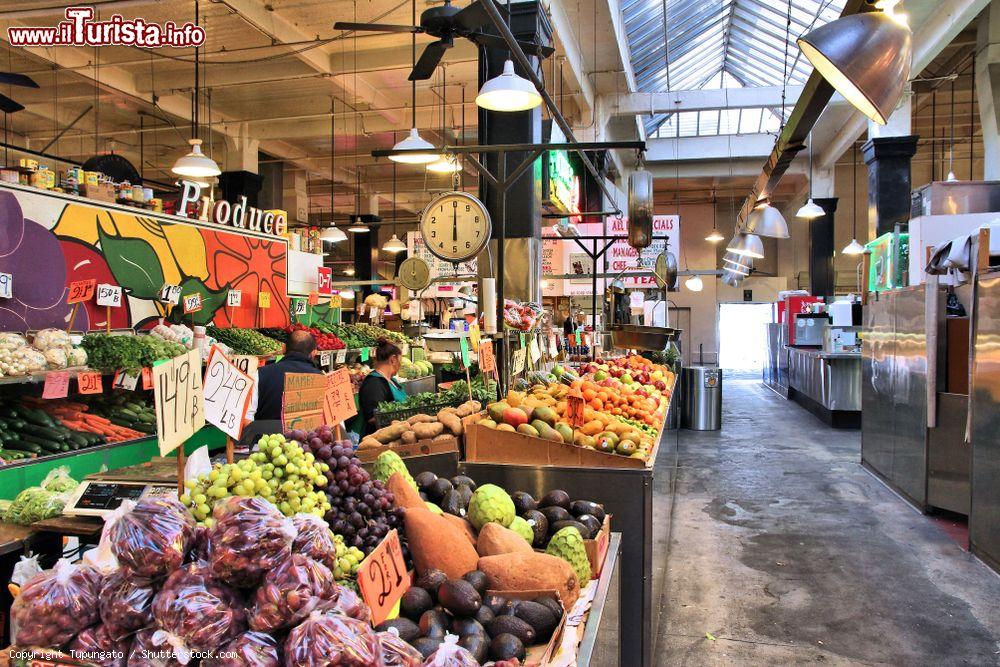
251,649
349,603
450,654
396,652
55,604
250,537
147,653
95,645
289,592
126,603
313,538
153,538
199,545
202,612
331,640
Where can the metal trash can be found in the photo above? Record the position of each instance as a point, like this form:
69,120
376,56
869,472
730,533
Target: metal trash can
701,398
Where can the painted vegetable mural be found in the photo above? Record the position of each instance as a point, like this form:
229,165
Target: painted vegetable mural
47,243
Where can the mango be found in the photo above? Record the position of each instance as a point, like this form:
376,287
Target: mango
515,398
538,425
488,423
566,431
626,448
505,427
515,417
496,411
583,440
527,429
546,414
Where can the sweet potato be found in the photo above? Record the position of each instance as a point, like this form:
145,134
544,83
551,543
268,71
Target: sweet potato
464,525
468,408
409,437
389,433
406,495
530,571
369,442
443,437
451,421
435,542
428,431
421,419
494,540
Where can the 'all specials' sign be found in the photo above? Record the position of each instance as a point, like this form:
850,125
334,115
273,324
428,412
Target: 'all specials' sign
237,215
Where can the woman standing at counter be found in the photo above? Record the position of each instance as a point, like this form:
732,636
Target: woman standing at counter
380,386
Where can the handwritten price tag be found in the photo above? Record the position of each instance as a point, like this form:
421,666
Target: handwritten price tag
264,300
487,360
192,303
338,401
234,298
227,394
299,307
325,358
170,294
125,381
109,295
81,290
533,351
247,364
313,298
178,399
365,353
382,577
553,350
147,379
6,286
518,359
336,301
89,383
474,336
464,344
341,356
575,408
56,385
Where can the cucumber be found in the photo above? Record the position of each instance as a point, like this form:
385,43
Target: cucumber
120,422
49,445
125,413
42,432
143,427
9,412
147,417
36,417
23,446
77,439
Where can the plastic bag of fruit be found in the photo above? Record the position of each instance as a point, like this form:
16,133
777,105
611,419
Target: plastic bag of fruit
289,593
152,648
126,603
450,654
395,652
331,640
313,538
95,645
54,605
152,539
250,649
199,611
250,537
347,602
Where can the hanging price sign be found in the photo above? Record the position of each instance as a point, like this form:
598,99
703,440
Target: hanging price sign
474,336
325,358
338,401
227,394
6,286
553,349
533,350
81,290
192,303
299,307
517,360
147,379
234,298
109,295
341,356
336,301
464,344
56,385
365,354
382,577
487,360
89,383
125,381
178,400
264,300
170,294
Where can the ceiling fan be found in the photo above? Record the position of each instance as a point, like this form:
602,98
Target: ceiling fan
8,105
447,22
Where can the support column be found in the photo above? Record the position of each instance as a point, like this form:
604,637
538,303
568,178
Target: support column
822,246
365,252
988,88
236,184
888,161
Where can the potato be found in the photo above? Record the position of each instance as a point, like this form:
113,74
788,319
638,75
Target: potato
443,437
369,442
421,419
390,433
409,437
468,408
451,420
428,431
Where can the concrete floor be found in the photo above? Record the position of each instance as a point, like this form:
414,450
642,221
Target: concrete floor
775,547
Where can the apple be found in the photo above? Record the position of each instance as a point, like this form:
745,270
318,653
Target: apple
600,375
627,379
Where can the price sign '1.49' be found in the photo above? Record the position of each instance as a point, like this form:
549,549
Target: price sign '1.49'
382,577
227,394
6,286
178,399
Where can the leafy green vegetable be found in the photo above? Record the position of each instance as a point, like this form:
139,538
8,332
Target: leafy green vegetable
245,341
34,504
128,353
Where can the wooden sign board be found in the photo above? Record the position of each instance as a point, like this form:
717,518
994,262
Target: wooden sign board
227,394
338,402
179,400
302,402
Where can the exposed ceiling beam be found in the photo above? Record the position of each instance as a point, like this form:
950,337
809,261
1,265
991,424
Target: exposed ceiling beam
709,147
701,100
721,169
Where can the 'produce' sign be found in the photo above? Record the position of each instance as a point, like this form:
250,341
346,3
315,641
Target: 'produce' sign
237,215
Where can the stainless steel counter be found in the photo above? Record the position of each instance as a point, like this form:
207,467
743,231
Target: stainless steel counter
832,380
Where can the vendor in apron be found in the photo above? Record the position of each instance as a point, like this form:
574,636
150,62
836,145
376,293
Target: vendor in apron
379,386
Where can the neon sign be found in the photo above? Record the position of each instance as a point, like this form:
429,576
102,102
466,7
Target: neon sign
563,183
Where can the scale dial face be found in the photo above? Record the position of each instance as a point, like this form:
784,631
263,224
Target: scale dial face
660,270
455,226
414,274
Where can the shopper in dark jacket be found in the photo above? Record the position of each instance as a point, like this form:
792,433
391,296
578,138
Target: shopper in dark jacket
271,378
380,386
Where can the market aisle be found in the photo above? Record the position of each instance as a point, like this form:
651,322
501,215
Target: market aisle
786,551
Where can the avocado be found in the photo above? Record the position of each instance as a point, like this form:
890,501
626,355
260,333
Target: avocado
459,597
467,626
434,624
431,580
464,492
528,429
507,647
559,525
477,645
495,603
553,604
555,513
555,498
523,502
538,616
514,626
539,526
415,602
485,615
462,480
592,524
578,507
407,629
452,503
426,645
425,479
478,580
438,489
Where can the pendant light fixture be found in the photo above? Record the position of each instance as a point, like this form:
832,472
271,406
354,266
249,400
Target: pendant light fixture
356,225
332,234
508,92
865,57
854,248
424,151
349,271
765,220
196,164
715,236
746,244
394,244
694,283
810,209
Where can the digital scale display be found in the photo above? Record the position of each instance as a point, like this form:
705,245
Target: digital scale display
97,498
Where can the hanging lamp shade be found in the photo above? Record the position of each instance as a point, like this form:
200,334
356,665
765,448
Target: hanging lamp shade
854,248
508,92
332,234
394,245
424,151
347,294
810,210
715,237
747,244
196,164
765,220
730,278
349,271
446,164
865,57
694,283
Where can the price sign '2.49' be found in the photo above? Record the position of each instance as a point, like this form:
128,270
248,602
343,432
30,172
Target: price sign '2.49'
227,394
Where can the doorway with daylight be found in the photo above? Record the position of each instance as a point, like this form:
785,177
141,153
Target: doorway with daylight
743,336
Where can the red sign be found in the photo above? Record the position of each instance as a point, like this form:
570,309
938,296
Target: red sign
487,361
575,406
81,290
324,280
338,401
382,577
313,298
89,383
147,378
56,385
